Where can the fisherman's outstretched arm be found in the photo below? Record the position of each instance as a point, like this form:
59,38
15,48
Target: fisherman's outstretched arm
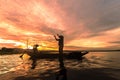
56,38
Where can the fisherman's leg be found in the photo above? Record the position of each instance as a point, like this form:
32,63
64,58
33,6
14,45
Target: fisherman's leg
61,64
33,63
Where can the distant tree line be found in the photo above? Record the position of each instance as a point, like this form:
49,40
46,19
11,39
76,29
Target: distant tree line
5,50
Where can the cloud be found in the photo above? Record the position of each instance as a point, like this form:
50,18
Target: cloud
103,14
75,19
116,42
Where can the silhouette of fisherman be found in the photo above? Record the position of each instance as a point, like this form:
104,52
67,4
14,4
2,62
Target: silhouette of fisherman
60,40
61,75
35,50
34,56
29,57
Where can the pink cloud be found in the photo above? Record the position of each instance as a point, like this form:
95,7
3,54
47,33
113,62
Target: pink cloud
40,19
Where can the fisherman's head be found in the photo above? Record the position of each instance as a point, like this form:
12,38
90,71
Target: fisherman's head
60,36
36,45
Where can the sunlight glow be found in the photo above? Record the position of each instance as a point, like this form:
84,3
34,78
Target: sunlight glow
87,43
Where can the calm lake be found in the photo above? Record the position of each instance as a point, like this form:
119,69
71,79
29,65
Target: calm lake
91,60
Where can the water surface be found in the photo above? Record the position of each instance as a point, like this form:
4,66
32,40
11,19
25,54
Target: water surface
91,60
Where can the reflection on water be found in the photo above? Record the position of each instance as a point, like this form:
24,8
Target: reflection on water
91,60
8,61
107,60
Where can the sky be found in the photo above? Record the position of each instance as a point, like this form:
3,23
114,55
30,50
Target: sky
85,24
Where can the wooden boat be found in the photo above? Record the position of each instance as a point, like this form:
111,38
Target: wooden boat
66,54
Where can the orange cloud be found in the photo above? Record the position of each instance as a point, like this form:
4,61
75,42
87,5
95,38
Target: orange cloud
82,24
